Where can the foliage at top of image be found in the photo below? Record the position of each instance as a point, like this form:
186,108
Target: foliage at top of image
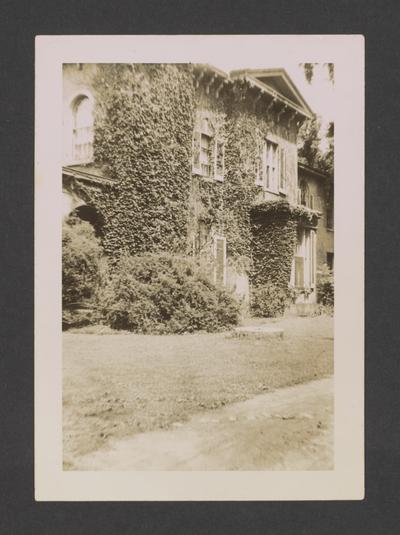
309,145
309,71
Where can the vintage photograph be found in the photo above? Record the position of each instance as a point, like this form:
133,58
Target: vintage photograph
198,266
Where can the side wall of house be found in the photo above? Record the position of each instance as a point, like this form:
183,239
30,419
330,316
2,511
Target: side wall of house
222,208
318,187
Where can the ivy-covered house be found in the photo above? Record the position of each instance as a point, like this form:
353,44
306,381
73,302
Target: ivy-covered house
190,159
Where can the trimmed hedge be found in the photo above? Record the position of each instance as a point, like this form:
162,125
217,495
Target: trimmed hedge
163,293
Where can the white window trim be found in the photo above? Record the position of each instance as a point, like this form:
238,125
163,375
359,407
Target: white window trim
282,154
215,140
308,251
219,237
69,126
261,178
273,188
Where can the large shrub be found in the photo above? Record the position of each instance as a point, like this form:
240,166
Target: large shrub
162,293
325,286
81,258
268,301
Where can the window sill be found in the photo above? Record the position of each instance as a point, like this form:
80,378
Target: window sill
274,192
210,178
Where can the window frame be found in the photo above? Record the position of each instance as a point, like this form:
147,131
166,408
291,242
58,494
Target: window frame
282,185
262,175
71,154
202,131
271,185
306,249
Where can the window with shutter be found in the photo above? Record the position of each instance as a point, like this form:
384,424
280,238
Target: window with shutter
271,166
205,155
196,167
208,151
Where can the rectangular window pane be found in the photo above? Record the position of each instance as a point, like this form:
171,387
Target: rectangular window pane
205,155
271,165
299,271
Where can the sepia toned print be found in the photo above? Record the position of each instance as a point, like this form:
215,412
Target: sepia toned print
197,265
198,278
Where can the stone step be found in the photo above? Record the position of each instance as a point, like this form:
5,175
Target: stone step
260,331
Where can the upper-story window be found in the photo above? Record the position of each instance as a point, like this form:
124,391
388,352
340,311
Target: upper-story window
208,152
305,198
82,129
270,167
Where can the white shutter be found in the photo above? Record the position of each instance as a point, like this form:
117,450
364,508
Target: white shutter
196,166
282,170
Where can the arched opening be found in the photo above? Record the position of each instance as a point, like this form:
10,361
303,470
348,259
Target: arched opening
82,129
91,215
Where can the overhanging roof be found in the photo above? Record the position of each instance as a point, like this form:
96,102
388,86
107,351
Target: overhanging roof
312,171
278,84
88,173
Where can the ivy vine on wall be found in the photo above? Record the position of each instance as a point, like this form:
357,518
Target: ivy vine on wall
144,125
143,138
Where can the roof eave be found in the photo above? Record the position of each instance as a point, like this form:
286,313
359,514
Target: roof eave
313,171
252,74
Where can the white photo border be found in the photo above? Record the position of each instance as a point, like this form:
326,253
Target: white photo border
346,481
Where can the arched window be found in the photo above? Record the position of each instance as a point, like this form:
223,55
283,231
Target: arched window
82,133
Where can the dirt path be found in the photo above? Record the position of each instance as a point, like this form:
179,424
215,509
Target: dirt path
289,429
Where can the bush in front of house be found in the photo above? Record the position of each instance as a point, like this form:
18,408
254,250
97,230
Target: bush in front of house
81,267
162,294
268,301
325,286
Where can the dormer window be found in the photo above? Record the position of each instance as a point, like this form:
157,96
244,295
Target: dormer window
82,133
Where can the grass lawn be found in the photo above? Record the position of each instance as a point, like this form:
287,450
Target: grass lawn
115,385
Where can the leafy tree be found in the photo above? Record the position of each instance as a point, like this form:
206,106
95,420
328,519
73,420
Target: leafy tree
309,71
309,145
309,141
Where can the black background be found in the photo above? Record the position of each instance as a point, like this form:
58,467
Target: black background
379,21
